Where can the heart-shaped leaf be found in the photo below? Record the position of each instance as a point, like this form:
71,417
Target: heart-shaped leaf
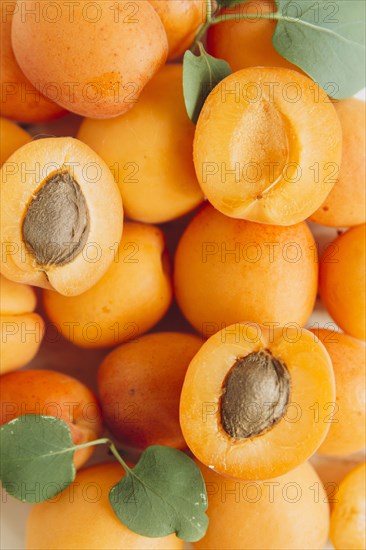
326,40
200,76
36,457
165,493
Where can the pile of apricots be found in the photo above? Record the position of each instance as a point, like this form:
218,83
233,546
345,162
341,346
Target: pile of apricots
161,277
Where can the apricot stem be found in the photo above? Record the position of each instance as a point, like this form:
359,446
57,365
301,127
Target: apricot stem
111,445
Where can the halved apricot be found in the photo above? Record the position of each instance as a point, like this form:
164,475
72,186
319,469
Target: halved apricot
342,283
255,400
347,433
11,138
228,271
348,519
267,146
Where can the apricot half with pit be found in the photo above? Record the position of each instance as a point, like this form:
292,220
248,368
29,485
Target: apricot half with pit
250,397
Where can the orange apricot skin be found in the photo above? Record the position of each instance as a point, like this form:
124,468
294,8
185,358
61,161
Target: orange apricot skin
11,138
115,309
286,444
83,518
345,204
106,81
246,42
347,432
257,143
53,393
140,385
19,98
342,282
157,165
224,273
21,330
181,19
280,514
348,519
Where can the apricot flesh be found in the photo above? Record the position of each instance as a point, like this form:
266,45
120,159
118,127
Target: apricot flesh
288,441
53,393
345,204
228,270
154,167
115,309
97,82
11,138
246,42
342,282
348,519
347,432
140,385
267,146
82,517
278,514
21,330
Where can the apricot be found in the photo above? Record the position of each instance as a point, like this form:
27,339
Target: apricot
56,50
11,138
345,204
21,330
284,513
82,517
181,20
246,42
53,393
347,432
61,215
342,283
348,519
20,100
154,168
254,403
227,271
130,299
140,385
267,146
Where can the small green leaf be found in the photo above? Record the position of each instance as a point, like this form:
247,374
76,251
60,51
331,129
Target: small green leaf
230,3
326,40
165,493
200,75
36,457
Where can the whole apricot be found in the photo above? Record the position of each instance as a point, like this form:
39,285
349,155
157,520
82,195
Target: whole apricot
21,330
246,42
348,519
154,167
11,138
181,20
267,146
345,204
227,271
82,517
57,51
52,393
284,513
342,283
130,298
20,100
140,385
254,400
61,215
347,432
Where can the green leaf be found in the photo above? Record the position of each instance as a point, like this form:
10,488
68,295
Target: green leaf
200,75
165,493
230,3
36,457
326,40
